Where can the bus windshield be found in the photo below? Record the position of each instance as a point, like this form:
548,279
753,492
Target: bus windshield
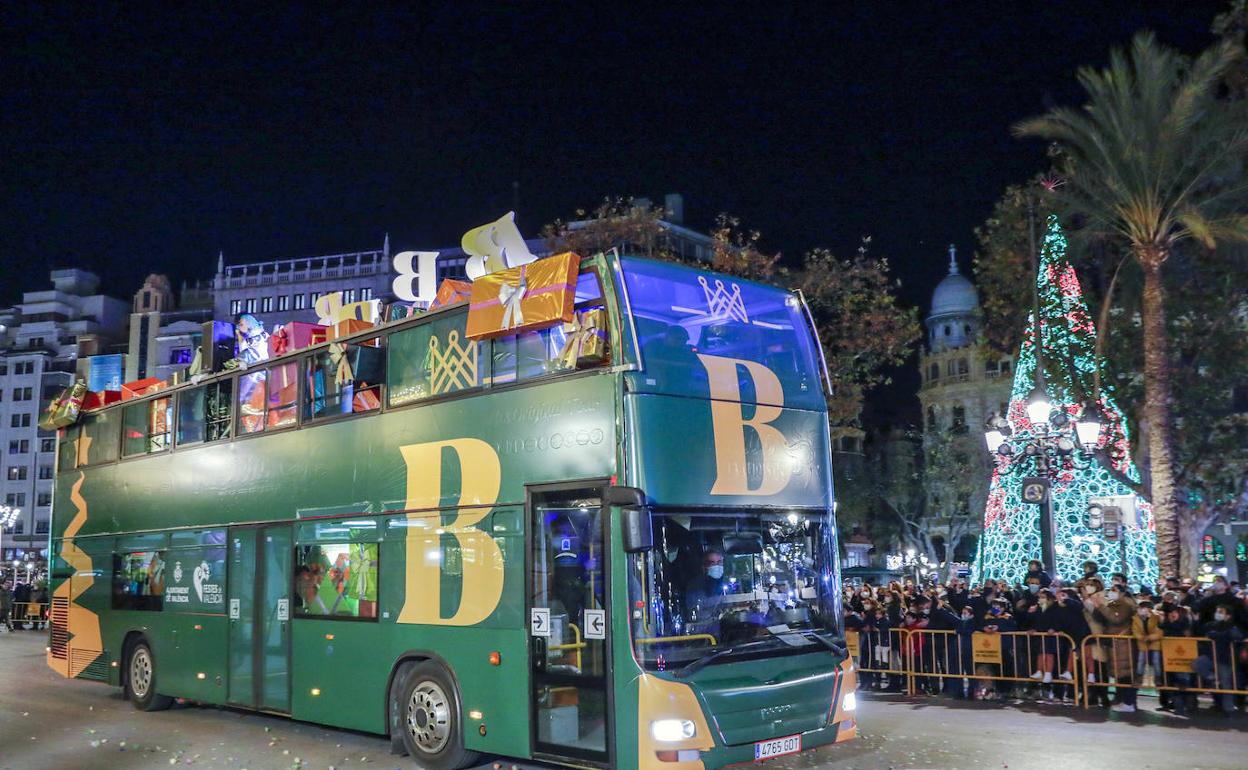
726,584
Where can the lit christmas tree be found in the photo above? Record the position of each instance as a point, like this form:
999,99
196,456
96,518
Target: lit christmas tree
1012,527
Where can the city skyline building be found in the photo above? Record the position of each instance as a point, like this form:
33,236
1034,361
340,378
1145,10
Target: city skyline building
41,340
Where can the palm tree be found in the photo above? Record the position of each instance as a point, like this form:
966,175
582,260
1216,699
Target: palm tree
1153,159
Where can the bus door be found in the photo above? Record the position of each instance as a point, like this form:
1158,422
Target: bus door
569,624
259,610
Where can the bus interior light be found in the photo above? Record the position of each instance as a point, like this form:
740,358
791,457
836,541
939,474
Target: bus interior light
672,730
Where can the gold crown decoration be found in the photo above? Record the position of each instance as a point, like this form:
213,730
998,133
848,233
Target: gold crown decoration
724,303
454,367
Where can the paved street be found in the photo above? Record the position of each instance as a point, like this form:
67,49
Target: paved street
48,723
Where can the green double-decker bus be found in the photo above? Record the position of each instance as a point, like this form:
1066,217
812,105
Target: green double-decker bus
615,551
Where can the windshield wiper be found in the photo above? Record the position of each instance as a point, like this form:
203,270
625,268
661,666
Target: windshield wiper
831,644
719,652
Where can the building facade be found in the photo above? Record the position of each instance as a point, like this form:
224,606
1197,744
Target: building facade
963,384
40,341
164,335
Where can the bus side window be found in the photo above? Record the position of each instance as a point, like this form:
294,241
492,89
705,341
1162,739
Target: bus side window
337,580
139,580
344,379
434,359
146,426
102,435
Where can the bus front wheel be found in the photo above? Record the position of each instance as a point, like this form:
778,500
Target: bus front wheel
140,684
431,719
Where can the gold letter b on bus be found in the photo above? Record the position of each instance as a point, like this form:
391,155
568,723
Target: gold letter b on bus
729,426
479,560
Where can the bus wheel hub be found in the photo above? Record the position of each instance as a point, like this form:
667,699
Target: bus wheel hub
428,717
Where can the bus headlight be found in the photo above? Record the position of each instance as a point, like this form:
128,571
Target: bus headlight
849,702
672,730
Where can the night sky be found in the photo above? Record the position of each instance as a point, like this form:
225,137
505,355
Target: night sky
137,140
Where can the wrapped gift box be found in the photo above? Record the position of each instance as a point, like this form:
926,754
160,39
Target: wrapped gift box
451,291
586,343
136,388
348,327
531,296
100,398
296,335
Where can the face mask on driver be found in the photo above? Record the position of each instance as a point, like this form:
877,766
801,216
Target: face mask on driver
715,571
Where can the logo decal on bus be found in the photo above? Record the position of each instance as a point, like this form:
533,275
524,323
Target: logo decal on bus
480,559
729,424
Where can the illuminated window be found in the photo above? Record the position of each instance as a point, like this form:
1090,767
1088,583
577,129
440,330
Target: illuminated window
139,580
146,427
1211,550
336,580
344,379
267,398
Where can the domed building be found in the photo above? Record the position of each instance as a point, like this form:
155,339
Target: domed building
963,383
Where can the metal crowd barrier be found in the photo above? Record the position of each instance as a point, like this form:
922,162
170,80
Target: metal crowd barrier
985,658
1185,664
22,613
881,654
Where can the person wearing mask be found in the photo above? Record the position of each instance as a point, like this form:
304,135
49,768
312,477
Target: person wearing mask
704,594
957,595
1045,618
964,627
1148,641
1176,622
915,622
1219,596
1218,669
1035,568
1118,618
1076,626
997,620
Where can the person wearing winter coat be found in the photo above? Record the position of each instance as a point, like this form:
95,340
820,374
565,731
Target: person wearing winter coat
1117,617
1218,669
1176,622
1035,568
1148,638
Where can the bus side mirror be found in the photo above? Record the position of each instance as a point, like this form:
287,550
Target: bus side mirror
638,535
634,517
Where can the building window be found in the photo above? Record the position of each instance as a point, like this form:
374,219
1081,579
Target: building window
43,499
948,330
15,500
366,293
22,394
959,419
931,419
17,472
47,445
45,472
1005,366
41,527
933,372
36,342
348,296
4,369
266,304
250,304
951,368
990,368
236,306
301,301
313,296
20,421
963,366
283,302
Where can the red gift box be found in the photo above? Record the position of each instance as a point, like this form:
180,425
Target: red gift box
99,399
296,335
142,387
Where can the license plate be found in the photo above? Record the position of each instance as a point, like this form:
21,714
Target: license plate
777,747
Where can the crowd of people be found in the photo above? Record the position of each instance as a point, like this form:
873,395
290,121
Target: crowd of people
1054,619
15,601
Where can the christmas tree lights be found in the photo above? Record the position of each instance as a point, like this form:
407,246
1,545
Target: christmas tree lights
1011,527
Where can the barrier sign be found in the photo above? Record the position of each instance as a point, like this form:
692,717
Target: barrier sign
851,641
986,648
1178,654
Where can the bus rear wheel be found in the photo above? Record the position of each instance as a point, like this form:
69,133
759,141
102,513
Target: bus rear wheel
140,686
431,719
